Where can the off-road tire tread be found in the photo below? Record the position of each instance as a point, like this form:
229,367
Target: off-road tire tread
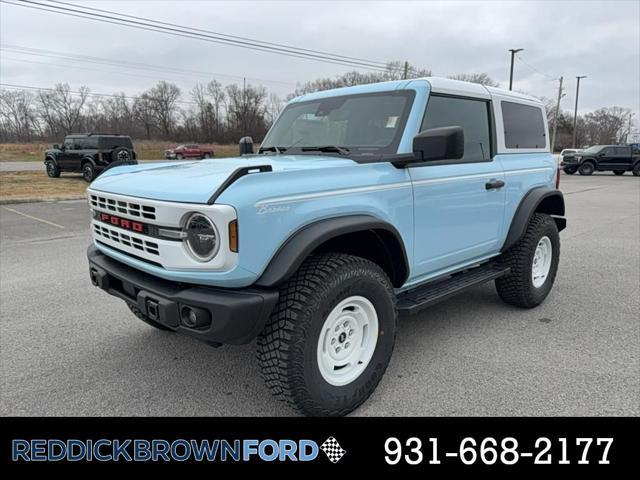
512,288
281,343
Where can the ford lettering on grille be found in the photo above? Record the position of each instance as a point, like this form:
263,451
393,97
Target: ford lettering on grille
122,222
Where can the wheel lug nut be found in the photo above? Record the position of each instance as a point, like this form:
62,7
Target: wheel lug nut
337,328
333,341
351,332
338,348
346,345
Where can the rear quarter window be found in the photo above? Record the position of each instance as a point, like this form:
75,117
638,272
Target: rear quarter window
111,142
523,126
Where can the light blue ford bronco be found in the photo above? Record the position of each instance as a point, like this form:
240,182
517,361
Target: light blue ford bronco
362,204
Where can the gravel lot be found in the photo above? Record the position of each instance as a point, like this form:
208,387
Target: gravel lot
67,348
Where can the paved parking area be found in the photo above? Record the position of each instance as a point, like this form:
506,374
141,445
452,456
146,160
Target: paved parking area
67,348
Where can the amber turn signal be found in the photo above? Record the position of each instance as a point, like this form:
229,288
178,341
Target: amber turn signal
233,236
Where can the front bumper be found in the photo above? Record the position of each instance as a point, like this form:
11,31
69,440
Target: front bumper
569,163
235,316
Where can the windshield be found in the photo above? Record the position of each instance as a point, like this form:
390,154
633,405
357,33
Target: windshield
594,149
361,124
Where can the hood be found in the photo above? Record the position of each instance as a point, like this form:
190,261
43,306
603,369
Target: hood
196,182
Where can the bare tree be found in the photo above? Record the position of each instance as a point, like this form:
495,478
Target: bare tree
61,108
18,115
144,113
164,98
218,98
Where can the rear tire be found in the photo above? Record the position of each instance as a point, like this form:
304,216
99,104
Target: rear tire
206,155
587,168
636,170
179,156
53,170
147,320
307,352
619,172
530,279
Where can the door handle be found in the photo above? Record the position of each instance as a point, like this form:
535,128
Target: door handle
493,184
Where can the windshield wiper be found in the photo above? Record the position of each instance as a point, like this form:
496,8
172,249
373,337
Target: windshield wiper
327,148
273,148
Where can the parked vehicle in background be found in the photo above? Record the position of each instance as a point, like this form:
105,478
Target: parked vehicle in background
363,204
188,150
90,154
601,158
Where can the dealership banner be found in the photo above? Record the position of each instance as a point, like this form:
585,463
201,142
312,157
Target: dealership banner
429,445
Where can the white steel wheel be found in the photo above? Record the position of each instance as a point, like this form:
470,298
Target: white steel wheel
541,262
347,340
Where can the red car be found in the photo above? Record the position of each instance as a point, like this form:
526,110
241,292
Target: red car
188,150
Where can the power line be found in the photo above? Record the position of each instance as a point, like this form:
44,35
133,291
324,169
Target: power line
533,69
236,37
127,64
179,32
90,94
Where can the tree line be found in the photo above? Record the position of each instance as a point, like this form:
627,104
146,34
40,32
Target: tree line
213,113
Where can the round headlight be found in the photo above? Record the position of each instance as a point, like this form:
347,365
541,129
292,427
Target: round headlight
202,237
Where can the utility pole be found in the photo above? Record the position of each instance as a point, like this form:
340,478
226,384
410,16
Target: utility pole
575,111
406,70
556,116
513,54
244,106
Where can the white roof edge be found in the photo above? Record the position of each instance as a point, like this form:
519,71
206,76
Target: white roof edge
458,87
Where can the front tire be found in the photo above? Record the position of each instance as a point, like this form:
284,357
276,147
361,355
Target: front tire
636,170
534,263
53,171
587,168
330,337
569,170
619,172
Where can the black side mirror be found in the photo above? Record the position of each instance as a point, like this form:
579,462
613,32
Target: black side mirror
443,143
246,145
56,146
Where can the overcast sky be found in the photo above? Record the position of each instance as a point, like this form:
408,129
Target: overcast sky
594,38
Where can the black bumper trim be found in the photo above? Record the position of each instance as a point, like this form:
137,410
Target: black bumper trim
238,316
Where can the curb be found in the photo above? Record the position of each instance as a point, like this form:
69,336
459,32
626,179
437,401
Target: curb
8,201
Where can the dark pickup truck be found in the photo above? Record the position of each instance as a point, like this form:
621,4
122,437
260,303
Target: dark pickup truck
603,158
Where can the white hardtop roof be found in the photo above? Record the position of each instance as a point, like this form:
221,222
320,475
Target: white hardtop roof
457,87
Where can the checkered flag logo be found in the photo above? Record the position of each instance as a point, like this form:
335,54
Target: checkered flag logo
333,450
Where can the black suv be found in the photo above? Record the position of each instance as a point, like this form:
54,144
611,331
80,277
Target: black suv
89,153
601,158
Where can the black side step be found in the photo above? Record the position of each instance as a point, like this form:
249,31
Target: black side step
412,301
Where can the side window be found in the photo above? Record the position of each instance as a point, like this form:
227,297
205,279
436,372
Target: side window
89,143
609,151
622,151
68,143
79,144
523,126
471,115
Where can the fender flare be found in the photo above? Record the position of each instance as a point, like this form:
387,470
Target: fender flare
304,241
52,159
540,199
591,160
88,159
